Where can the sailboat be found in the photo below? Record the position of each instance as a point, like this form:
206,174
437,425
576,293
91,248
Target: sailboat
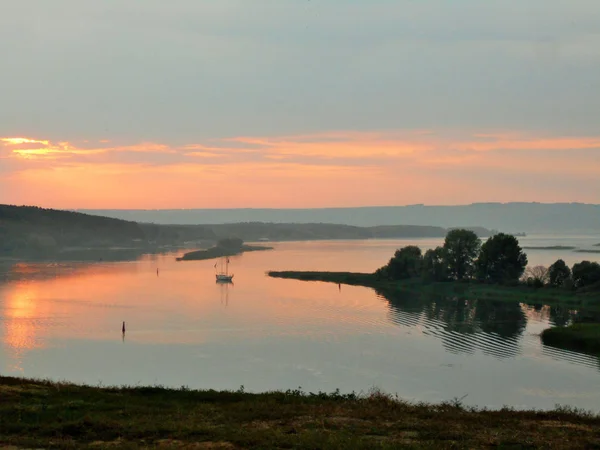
224,277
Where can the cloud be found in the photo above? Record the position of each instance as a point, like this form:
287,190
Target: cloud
21,141
322,169
192,70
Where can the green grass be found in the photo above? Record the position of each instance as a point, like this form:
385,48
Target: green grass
352,278
38,414
579,337
466,290
219,252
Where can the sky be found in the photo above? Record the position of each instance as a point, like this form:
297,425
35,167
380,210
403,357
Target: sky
298,103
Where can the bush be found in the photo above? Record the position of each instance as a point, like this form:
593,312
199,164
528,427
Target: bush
406,263
536,276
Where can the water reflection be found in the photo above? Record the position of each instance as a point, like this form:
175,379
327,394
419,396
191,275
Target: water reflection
64,321
464,326
224,291
21,323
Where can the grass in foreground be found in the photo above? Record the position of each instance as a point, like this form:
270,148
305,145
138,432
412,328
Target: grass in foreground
57,415
469,291
579,337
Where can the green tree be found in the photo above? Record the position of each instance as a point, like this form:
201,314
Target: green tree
461,247
232,243
501,260
434,265
558,273
585,273
406,263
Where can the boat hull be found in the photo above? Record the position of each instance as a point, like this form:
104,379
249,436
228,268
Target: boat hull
222,278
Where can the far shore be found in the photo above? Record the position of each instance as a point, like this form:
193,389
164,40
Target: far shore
219,252
551,247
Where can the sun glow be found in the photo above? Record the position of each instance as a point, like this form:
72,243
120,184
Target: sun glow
19,331
20,141
312,170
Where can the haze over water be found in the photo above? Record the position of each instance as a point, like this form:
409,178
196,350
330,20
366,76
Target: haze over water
63,321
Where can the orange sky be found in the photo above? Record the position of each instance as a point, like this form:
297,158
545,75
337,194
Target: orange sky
328,169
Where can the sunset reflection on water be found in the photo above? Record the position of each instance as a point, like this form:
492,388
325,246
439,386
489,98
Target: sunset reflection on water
63,321
90,301
19,333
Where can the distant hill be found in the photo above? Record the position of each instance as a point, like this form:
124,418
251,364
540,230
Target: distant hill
27,231
39,232
29,228
254,231
557,218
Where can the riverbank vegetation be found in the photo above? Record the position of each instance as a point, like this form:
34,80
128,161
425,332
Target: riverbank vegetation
520,293
43,414
577,336
498,263
224,247
28,232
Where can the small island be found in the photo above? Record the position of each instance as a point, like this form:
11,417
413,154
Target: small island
551,247
496,269
224,247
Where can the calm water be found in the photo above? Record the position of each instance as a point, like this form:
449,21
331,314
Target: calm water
63,321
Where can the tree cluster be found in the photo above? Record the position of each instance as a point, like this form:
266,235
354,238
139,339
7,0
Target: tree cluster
499,260
230,243
584,275
462,257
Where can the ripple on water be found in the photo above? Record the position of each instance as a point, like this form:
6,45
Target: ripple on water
493,344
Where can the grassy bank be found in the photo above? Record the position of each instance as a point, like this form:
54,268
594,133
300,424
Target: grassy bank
584,337
353,278
49,415
218,252
469,291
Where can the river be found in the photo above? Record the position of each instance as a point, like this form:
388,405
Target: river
62,321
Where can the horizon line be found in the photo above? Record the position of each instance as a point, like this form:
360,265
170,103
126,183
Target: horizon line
412,205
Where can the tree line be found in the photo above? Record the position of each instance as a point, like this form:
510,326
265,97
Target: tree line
499,260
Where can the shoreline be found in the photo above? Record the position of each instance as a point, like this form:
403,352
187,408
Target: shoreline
49,414
470,290
218,252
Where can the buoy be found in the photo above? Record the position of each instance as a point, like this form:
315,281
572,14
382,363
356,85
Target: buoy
123,329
